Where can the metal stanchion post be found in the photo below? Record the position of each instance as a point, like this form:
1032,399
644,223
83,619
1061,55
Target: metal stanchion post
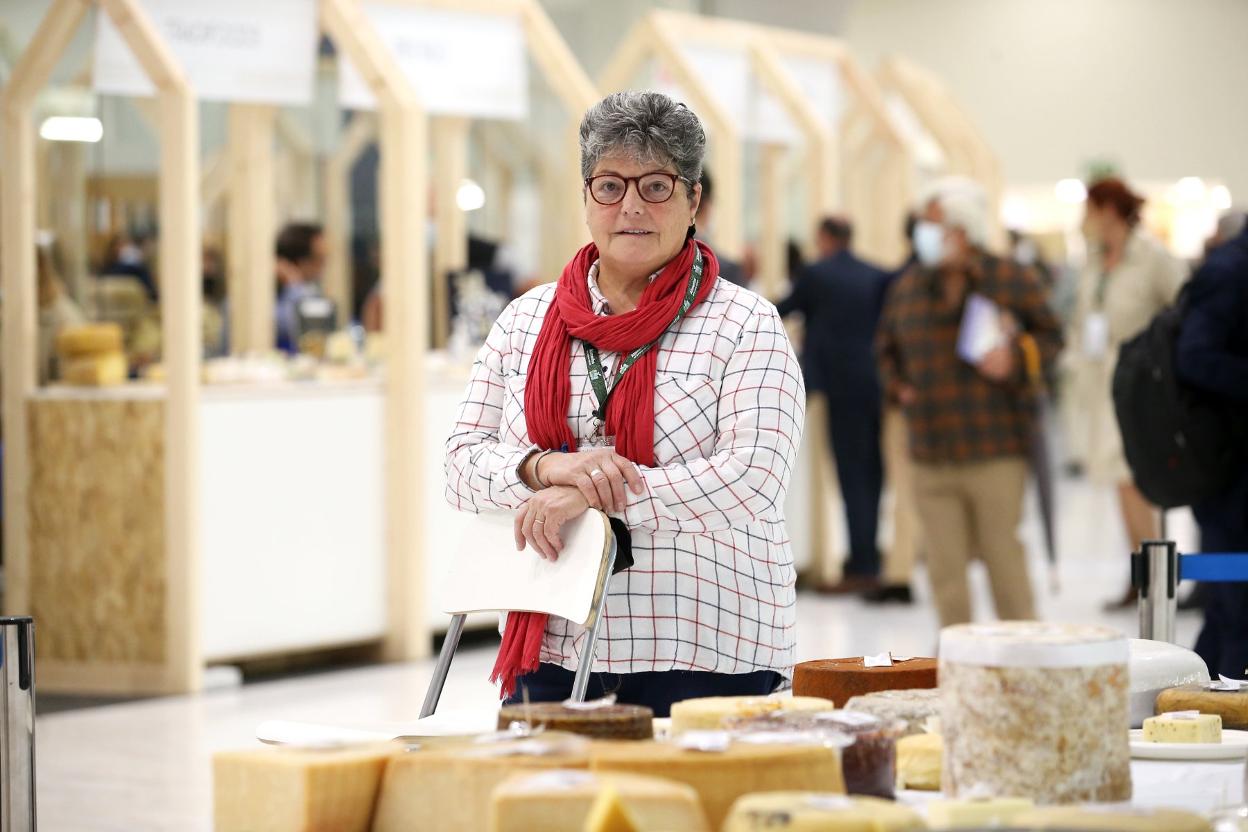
1157,577
17,724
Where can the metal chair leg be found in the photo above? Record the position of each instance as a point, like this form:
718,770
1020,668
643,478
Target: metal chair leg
449,645
581,683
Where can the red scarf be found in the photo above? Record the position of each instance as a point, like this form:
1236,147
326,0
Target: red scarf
630,410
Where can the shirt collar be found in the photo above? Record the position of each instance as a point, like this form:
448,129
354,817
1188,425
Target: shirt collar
597,300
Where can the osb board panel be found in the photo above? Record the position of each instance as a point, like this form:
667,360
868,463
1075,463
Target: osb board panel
97,530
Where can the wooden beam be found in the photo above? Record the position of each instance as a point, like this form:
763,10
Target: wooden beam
450,253
252,228
17,277
773,238
360,134
403,185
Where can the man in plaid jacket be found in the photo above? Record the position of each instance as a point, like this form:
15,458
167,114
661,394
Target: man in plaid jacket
970,423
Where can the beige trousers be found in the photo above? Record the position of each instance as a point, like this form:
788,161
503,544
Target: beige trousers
899,480
974,509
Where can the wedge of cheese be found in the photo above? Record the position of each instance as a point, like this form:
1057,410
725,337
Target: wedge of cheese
976,814
709,713
448,788
1112,819
287,790
919,762
1184,726
819,812
720,777
565,800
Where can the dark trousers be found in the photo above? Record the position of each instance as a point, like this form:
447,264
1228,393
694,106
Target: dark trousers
1223,641
656,690
854,426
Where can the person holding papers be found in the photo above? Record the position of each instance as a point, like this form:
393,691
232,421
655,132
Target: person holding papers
964,338
643,384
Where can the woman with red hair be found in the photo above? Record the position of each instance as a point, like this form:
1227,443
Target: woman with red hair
1129,278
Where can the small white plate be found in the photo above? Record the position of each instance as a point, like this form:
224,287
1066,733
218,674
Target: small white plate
1234,746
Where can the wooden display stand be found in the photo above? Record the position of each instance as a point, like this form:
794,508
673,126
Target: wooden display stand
103,503
966,151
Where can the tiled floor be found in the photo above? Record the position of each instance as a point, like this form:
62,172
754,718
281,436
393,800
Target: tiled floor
146,765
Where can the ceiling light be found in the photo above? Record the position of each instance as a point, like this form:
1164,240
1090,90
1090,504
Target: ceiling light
1070,190
470,196
72,129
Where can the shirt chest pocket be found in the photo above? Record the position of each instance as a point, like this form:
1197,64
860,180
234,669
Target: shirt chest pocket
513,429
686,418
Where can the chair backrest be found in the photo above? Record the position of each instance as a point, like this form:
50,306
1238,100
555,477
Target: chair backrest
488,574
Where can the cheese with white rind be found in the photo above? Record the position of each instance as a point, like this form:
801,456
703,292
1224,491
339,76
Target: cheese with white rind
295,790
708,713
720,777
563,800
913,707
1156,666
819,812
1036,710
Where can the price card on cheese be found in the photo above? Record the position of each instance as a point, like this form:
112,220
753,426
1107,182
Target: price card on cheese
461,63
230,50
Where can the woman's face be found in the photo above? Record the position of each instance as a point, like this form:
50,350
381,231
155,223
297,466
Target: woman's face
633,235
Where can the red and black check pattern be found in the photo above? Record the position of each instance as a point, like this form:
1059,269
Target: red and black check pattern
960,416
712,586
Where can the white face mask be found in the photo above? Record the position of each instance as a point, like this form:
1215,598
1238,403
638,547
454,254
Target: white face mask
929,242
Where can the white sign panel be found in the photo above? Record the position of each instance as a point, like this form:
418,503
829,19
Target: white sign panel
821,83
728,74
232,50
460,63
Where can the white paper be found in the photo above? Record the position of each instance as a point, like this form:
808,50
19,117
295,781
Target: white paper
981,331
1226,684
1095,335
592,705
231,50
707,741
878,660
461,63
1180,715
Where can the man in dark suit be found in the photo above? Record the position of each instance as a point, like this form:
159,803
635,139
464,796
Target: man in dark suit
841,298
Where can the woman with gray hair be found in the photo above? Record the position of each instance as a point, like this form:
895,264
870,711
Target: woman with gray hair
643,385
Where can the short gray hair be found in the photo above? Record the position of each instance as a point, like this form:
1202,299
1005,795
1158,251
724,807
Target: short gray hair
647,125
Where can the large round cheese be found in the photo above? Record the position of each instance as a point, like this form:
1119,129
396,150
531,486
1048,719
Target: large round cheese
561,800
1111,819
1035,710
1232,706
708,713
607,722
720,777
1156,666
819,812
842,679
915,708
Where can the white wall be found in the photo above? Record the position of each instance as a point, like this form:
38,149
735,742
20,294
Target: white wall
1156,85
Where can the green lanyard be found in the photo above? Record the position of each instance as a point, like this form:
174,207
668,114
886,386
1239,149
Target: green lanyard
598,378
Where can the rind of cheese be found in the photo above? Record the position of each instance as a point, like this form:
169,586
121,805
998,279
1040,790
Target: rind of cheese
289,790
920,761
572,800
976,814
709,713
103,370
448,788
1232,706
913,707
720,777
89,339
1096,819
1199,728
819,812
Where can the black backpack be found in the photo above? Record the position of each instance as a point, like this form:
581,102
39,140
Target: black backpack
1182,444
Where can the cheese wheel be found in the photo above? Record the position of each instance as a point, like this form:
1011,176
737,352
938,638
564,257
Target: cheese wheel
819,812
611,722
709,713
448,788
920,760
842,679
976,814
1156,666
88,340
1231,706
96,371
290,790
1112,819
1035,710
914,708
720,777
563,800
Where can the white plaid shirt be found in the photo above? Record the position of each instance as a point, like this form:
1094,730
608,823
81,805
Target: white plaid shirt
712,585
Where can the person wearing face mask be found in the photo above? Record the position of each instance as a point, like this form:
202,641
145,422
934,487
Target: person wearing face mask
970,425
1129,278
644,385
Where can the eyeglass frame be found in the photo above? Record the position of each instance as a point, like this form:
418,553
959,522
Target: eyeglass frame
635,181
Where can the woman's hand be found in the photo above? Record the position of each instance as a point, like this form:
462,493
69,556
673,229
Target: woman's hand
543,515
601,475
